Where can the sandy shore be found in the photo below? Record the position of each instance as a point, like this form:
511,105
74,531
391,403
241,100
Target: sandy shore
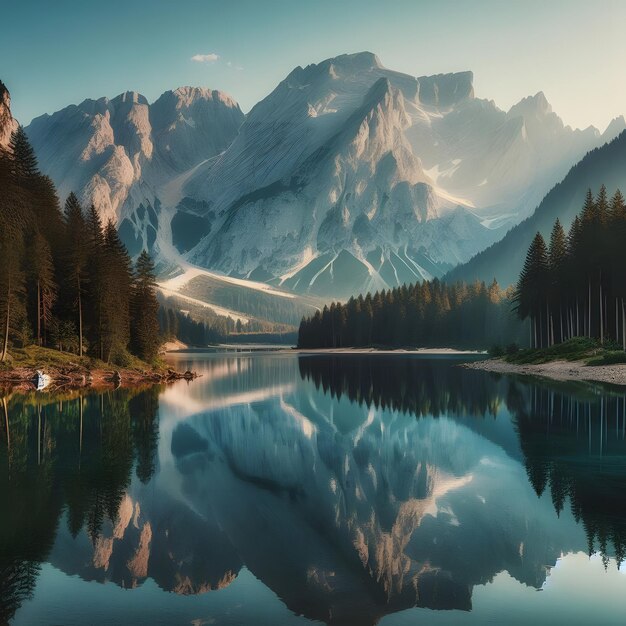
173,346
556,370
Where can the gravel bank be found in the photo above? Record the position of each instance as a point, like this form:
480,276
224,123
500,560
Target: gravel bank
557,370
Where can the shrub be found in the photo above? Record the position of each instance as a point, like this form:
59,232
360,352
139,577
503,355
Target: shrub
122,358
608,358
612,346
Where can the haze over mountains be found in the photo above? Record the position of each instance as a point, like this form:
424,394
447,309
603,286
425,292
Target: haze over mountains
347,177
504,260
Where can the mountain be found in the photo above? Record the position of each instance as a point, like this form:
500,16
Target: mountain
347,177
351,177
129,157
7,122
504,260
337,208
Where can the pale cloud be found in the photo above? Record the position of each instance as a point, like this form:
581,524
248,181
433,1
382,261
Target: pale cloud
205,58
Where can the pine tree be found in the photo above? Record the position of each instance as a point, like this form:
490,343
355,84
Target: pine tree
557,255
573,271
144,310
95,271
76,259
617,262
24,160
532,288
12,311
116,293
41,273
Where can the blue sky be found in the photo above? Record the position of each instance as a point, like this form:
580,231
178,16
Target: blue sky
54,53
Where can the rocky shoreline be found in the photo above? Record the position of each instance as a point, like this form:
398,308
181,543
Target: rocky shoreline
556,370
75,376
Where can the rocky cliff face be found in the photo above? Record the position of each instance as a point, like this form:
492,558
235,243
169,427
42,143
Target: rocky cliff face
351,177
126,155
7,122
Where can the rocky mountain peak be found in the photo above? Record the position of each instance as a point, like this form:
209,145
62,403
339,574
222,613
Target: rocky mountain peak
130,97
616,126
186,96
532,106
122,153
446,90
357,61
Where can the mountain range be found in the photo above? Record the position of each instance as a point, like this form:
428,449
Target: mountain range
128,156
347,177
354,177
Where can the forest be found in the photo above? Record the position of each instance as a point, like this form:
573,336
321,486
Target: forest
199,326
67,281
427,314
575,285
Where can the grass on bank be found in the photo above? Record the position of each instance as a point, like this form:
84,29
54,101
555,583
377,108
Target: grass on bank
590,351
41,358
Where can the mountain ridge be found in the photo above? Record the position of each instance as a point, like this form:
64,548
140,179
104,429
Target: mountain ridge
120,152
347,177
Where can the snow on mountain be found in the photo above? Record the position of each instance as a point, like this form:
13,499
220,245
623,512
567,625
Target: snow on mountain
7,122
346,199
124,154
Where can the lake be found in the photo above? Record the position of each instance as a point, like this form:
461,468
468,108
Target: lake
285,489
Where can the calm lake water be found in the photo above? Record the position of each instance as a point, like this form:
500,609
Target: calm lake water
284,489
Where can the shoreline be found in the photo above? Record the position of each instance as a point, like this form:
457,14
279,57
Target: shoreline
278,349
399,351
75,376
556,370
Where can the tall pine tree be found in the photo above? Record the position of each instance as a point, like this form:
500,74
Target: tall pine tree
76,260
144,310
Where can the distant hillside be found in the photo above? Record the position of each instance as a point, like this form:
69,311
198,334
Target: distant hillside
264,306
503,260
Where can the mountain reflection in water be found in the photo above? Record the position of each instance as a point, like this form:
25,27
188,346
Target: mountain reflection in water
351,486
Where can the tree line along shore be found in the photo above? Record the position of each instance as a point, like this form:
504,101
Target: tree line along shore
70,296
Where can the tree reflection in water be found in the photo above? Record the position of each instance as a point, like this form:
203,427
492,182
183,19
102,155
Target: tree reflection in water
350,485
69,453
573,436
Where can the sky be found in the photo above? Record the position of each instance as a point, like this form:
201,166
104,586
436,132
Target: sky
56,53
